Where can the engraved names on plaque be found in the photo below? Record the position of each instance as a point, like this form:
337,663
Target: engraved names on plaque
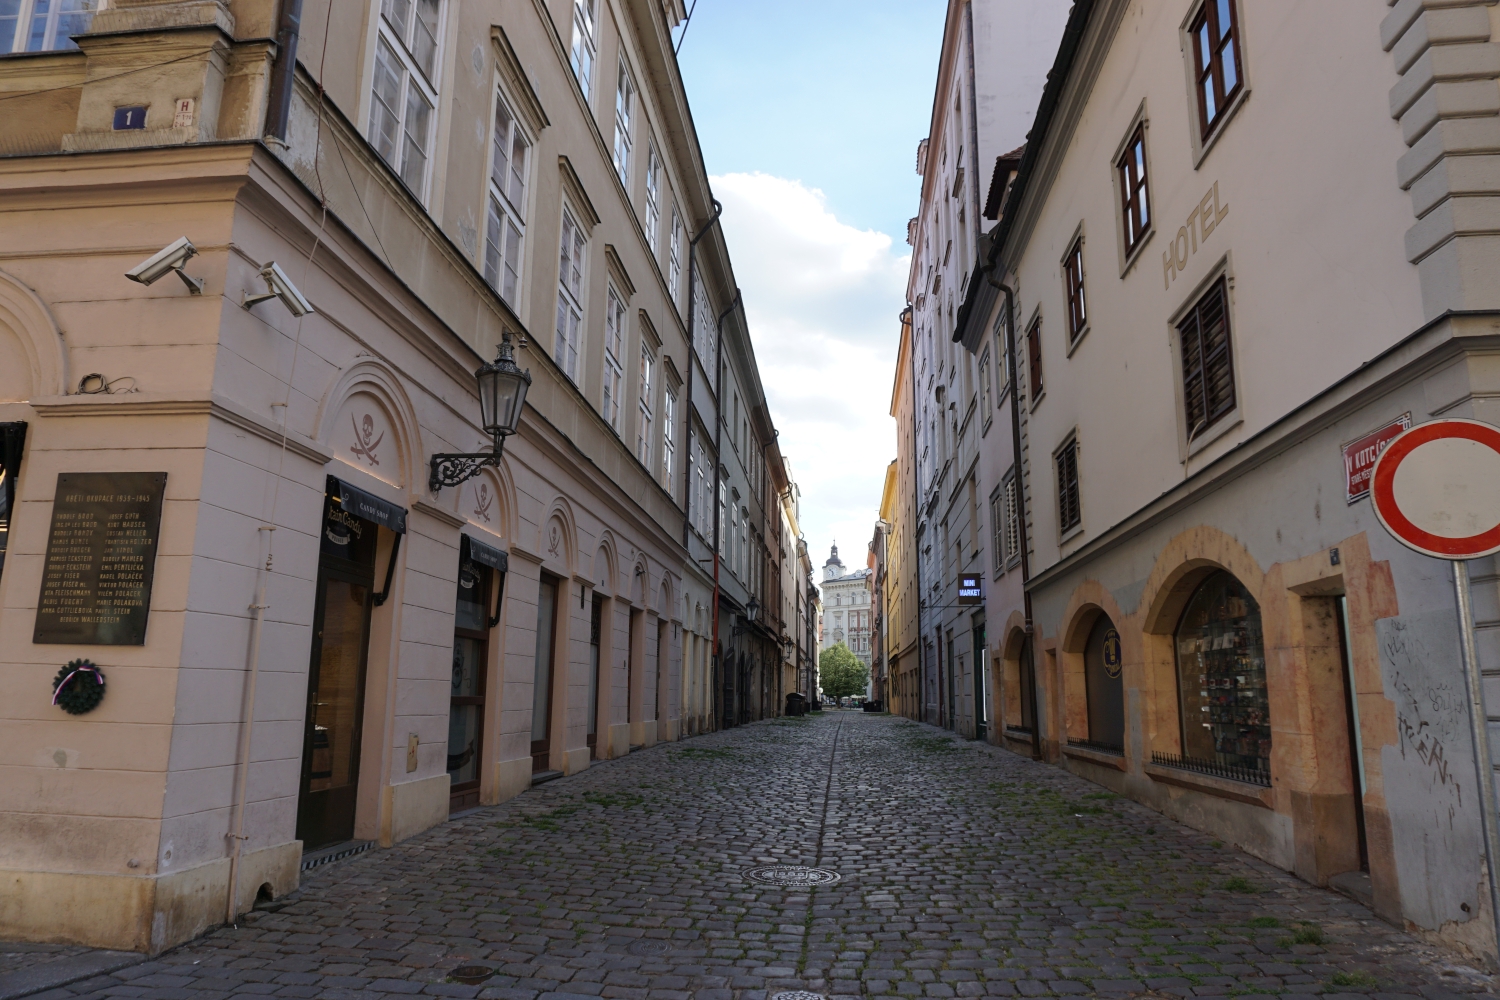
101,556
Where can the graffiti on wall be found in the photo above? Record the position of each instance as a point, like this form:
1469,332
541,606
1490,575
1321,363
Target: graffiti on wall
1431,721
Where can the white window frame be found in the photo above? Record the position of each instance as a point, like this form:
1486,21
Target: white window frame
1012,507
674,260
505,204
645,428
23,29
624,123
615,321
668,437
572,280
653,199
585,49
413,83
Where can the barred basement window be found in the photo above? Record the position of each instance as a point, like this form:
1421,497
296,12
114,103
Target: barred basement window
1069,512
1207,363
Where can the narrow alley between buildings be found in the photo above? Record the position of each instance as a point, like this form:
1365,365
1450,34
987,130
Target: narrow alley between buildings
963,870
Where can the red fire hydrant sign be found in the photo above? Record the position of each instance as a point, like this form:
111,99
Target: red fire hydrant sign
1436,488
1360,456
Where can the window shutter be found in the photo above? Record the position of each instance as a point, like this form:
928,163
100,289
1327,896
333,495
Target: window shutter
1207,362
1068,511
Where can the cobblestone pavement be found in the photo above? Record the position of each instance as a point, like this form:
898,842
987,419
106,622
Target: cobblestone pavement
966,872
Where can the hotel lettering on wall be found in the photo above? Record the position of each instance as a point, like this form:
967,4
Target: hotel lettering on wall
1201,222
101,557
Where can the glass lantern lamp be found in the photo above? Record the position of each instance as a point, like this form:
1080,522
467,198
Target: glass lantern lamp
502,396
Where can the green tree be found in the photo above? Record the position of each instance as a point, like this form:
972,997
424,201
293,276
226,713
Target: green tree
840,672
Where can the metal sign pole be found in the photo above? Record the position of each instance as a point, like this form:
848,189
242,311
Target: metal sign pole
1479,723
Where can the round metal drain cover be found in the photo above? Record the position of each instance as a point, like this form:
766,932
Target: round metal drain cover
649,947
798,995
471,975
792,876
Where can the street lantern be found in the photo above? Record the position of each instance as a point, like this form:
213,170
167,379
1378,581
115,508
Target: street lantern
502,396
752,610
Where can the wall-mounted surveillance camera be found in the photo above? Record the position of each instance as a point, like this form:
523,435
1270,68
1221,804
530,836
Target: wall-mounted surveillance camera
170,259
280,287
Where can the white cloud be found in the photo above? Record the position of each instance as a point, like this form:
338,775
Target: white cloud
823,301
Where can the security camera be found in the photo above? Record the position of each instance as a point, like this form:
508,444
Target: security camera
280,287
170,259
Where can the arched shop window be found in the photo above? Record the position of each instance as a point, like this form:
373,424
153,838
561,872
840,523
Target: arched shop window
1221,679
1104,686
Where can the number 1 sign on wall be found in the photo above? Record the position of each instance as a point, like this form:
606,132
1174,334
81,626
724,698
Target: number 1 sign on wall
1436,489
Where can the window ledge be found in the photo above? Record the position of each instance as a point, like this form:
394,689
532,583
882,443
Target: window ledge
1037,400
1224,788
1228,422
1070,534
1137,253
1075,341
1020,736
1100,757
1205,145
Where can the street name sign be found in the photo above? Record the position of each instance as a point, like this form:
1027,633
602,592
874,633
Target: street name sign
1360,456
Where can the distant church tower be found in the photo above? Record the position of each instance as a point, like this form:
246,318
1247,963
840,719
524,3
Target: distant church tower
833,567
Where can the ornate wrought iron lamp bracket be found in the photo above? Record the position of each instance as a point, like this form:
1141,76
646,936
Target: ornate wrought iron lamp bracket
456,469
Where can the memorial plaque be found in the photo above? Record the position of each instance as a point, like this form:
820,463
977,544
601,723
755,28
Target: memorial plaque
101,556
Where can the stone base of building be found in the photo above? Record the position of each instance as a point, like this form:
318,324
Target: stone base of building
575,760
413,806
512,777
619,740
147,913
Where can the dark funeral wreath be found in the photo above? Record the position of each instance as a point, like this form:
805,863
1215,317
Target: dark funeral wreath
78,687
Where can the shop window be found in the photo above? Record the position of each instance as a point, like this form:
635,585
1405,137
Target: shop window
1104,687
1221,684
12,437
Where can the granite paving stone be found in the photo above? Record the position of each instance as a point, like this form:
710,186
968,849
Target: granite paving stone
966,872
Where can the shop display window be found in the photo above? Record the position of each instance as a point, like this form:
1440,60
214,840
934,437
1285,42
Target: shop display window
1221,678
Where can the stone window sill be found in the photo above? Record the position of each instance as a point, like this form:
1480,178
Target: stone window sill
1100,757
1224,788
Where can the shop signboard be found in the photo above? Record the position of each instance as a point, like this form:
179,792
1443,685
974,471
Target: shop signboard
970,590
101,558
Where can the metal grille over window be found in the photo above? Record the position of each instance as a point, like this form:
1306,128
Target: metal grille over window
1221,682
507,222
1216,60
569,296
1069,513
1207,365
405,92
1135,203
43,25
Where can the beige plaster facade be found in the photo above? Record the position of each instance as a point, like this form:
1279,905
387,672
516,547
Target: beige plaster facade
121,828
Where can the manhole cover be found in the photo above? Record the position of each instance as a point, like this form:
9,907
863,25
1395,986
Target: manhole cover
796,876
471,975
649,947
797,995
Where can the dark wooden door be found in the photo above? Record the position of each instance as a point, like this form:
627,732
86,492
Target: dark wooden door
541,694
466,701
335,704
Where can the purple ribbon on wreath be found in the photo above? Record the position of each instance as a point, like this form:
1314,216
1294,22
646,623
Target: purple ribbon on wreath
86,666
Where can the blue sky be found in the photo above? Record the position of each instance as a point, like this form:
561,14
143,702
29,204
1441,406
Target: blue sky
809,115
835,94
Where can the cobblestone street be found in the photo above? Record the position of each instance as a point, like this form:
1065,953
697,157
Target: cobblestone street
965,871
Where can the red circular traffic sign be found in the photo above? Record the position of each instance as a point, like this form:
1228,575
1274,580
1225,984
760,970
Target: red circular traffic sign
1436,488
